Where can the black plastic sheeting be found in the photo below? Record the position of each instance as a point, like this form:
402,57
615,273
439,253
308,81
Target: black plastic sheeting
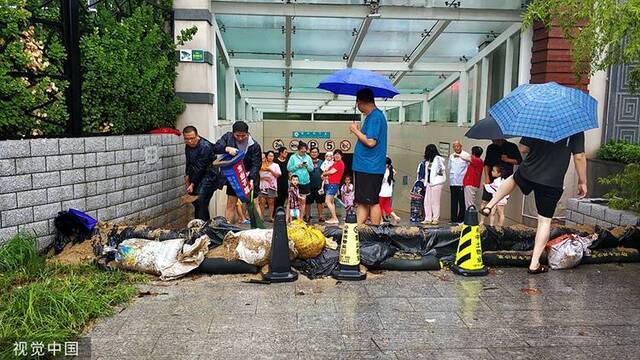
319,266
216,229
222,266
402,261
523,258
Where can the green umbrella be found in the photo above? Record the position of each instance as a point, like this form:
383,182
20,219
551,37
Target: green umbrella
254,215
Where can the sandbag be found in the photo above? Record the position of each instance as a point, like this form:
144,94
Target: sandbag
252,246
319,266
508,238
308,241
216,230
403,261
523,258
221,266
617,255
373,253
631,238
170,259
567,251
508,258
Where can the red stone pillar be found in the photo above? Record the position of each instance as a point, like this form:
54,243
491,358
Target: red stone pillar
551,58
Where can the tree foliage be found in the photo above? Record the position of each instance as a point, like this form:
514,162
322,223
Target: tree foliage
608,32
128,67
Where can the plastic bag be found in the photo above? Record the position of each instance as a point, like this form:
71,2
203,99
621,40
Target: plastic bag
321,265
216,230
567,251
373,253
170,259
308,241
253,246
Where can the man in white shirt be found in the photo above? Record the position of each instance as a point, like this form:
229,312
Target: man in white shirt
458,163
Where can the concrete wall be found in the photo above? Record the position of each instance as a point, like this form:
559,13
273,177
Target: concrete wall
113,178
583,211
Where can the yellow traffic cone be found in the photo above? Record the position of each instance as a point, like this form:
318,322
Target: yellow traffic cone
469,255
349,262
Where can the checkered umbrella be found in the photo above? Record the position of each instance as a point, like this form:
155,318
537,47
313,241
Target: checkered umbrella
548,112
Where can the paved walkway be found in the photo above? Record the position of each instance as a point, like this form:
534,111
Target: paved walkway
590,312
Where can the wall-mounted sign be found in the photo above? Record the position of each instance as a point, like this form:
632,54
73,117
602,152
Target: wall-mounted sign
277,144
311,134
329,145
345,145
313,144
187,55
445,149
293,145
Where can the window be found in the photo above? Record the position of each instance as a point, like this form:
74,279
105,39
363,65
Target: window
239,105
286,116
496,81
337,117
221,71
393,115
413,112
444,107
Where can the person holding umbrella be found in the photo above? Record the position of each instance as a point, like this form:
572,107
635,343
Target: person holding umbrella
551,120
370,152
369,158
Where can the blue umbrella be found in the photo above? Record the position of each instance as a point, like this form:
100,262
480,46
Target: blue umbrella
350,81
548,112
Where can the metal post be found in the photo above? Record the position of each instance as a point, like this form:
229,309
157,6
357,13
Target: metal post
69,12
425,109
463,98
484,87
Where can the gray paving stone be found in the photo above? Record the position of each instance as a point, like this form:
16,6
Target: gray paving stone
114,171
96,173
628,218
42,147
130,194
130,142
130,168
72,146
9,184
105,186
40,228
123,156
16,217
598,211
106,158
71,177
43,212
7,167
538,353
14,148
6,233
90,159
45,180
8,201
115,198
572,204
78,204
584,207
613,216
95,144
96,202
444,354
32,197
114,143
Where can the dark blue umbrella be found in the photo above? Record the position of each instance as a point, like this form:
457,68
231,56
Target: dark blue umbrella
548,112
350,81
487,129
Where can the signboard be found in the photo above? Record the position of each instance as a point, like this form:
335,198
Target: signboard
293,145
187,55
345,145
311,134
313,144
329,145
277,144
445,149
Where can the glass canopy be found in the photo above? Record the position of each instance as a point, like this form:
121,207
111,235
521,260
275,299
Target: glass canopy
322,37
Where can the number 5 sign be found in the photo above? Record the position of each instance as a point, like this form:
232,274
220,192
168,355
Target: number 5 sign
329,145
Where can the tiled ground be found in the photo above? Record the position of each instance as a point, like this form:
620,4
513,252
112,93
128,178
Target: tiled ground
591,312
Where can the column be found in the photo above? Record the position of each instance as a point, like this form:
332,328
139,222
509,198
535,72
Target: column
230,93
475,93
484,87
401,114
508,67
463,98
196,81
425,109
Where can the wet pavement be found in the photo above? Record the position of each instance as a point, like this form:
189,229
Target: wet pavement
590,312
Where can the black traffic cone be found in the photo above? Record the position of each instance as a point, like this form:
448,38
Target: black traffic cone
469,255
349,262
280,266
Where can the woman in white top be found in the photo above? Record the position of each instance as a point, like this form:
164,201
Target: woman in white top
434,178
386,192
269,173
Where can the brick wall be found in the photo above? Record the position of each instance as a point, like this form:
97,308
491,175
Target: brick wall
133,178
585,212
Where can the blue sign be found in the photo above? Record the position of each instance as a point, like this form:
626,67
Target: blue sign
311,135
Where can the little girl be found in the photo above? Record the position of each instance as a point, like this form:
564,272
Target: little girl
326,165
347,193
492,188
386,192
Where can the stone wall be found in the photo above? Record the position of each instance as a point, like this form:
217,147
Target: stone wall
133,178
586,212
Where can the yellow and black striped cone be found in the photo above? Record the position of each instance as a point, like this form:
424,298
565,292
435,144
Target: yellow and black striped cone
469,255
349,262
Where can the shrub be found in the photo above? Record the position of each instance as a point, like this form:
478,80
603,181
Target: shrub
620,151
626,194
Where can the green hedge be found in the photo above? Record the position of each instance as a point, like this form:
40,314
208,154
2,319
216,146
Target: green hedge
128,68
620,151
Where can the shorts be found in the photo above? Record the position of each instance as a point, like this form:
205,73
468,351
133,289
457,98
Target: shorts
314,197
231,192
367,187
385,205
304,189
270,193
331,189
486,196
546,197
295,213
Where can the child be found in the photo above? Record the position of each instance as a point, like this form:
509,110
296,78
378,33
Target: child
492,188
347,193
293,205
472,177
326,165
386,192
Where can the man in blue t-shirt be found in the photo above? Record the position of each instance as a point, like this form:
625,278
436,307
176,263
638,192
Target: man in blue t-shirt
369,157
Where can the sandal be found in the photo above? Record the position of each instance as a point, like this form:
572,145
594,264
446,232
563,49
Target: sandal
486,211
540,270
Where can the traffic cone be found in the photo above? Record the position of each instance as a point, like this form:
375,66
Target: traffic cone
469,255
349,262
280,266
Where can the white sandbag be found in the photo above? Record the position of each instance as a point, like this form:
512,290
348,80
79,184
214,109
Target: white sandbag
169,259
254,246
569,252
